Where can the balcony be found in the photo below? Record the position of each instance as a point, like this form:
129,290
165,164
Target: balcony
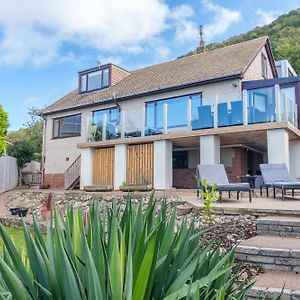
187,113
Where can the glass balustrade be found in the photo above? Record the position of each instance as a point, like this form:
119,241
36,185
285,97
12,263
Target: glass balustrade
193,113
133,122
261,105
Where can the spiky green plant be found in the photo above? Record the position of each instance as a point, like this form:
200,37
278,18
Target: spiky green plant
120,253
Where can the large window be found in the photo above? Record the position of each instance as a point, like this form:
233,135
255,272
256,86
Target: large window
94,80
112,117
176,112
67,126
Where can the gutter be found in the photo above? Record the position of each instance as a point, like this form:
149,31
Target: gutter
237,75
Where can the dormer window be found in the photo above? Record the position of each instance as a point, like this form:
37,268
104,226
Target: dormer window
94,79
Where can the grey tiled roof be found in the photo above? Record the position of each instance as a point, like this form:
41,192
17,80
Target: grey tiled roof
219,63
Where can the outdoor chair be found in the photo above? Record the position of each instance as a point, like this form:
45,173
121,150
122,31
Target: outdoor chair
277,176
216,174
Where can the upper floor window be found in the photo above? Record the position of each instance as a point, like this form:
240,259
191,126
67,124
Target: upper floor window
67,126
264,66
94,80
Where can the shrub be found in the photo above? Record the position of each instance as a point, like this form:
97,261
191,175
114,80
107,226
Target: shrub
209,196
120,253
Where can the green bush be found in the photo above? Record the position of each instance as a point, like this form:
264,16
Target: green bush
124,252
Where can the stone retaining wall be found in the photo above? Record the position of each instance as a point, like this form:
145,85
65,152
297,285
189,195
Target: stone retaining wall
282,227
270,258
272,293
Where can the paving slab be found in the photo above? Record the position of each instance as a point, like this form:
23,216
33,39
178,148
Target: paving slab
278,279
272,241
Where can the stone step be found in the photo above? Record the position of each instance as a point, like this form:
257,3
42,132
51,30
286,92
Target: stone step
271,252
272,283
278,225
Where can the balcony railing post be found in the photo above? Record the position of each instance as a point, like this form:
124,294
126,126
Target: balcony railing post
278,103
286,107
245,107
122,124
143,121
104,123
189,114
165,118
216,112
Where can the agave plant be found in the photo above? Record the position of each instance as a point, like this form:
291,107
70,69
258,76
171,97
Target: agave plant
120,253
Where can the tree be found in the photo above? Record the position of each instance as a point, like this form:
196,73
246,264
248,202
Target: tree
23,151
3,129
32,133
284,34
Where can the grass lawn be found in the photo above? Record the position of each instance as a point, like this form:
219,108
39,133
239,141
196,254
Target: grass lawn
17,236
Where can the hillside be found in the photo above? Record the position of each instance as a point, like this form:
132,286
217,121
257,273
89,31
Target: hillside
284,33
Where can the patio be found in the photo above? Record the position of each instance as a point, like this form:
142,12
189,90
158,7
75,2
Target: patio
258,206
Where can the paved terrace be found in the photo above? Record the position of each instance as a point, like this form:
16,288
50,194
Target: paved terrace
258,206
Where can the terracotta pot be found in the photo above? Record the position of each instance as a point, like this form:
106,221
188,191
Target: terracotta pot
45,214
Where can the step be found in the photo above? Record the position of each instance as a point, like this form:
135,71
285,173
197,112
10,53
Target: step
279,225
271,283
271,252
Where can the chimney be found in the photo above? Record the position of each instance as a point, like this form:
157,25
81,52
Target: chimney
201,47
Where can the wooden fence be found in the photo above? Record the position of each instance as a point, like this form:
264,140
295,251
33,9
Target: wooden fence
8,173
103,167
140,164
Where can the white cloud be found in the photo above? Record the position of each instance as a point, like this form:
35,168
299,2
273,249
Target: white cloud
267,17
223,19
35,31
185,29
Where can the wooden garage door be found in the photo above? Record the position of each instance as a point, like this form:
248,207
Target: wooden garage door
140,164
103,166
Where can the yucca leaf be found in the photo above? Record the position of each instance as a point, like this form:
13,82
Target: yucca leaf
144,273
16,287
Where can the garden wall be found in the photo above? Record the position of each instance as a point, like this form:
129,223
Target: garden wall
8,173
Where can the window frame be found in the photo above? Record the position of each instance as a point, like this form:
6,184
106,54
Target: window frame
59,128
264,66
109,114
166,99
86,73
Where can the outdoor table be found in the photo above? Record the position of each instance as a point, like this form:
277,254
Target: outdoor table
251,180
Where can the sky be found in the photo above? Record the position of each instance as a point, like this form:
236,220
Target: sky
43,44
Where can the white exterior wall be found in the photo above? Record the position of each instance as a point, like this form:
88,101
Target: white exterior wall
278,146
8,173
120,165
86,173
254,71
295,159
58,150
163,162
209,149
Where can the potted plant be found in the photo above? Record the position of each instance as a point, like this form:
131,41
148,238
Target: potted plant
22,212
19,210
46,208
14,210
